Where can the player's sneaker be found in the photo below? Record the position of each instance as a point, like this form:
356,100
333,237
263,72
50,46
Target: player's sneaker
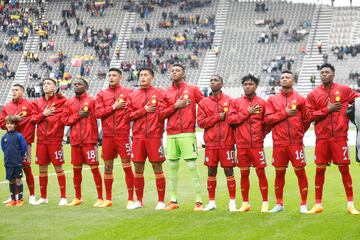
98,203
198,206
11,203
232,205
160,206
19,203
32,200
265,207
352,210
106,203
277,208
63,202
210,206
75,202
316,209
41,201
7,200
245,207
172,206
303,209
129,204
136,205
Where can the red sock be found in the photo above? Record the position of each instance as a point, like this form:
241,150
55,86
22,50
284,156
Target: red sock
139,185
211,186
160,186
77,179
231,184
319,183
279,185
62,183
108,181
346,177
29,179
129,179
245,184
98,183
263,183
43,179
303,184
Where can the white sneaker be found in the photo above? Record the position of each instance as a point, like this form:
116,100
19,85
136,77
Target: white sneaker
41,201
210,206
277,208
136,205
63,202
160,206
232,205
32,200
303,209
7,200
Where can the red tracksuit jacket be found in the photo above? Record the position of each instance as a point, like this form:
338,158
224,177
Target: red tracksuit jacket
182,120
327,124
114,122
250,130
217,133
146,125
84,131
25,127
50,129
286,130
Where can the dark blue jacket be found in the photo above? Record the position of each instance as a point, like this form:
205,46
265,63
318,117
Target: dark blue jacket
14,146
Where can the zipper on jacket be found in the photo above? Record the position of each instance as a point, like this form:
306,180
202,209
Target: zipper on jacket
114,111
80,122
146,115
331,118
217,108
287,119
46,122
180,111
251,145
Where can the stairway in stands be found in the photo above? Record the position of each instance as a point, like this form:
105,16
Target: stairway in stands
22,72
210,61
322,21
123,36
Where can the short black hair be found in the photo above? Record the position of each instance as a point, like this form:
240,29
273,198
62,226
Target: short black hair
287,71
50,79
179,65
250,77
19,85
220,78
146,69
328,65
115,70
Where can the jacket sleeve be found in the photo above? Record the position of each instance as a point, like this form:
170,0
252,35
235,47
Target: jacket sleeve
205,121
198,94
305,121
132,113
2,118
311,113
37,115
162,106
351,95
70,118
236,116
101,110
350,112
266,128
23,144
273,116
3,143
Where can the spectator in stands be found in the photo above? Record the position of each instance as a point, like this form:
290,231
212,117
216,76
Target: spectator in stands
313,80
319,46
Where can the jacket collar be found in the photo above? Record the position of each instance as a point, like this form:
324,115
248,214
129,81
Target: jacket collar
182,84
220,96
18,101
332,86
82,96
288,93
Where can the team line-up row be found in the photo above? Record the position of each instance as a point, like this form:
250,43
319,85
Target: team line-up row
242,122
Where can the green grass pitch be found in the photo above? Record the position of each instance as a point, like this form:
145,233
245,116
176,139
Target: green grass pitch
86,222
